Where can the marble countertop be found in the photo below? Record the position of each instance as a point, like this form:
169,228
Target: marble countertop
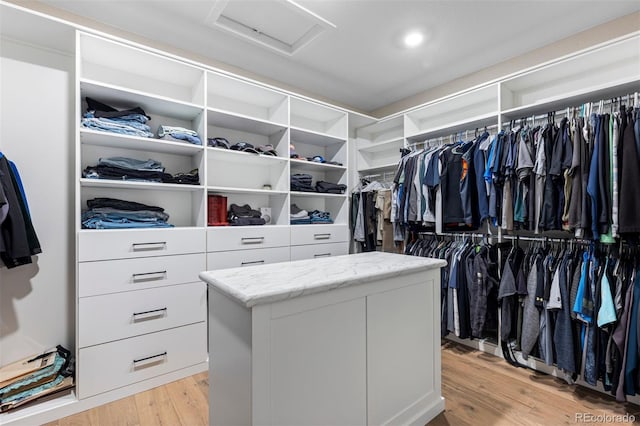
280,281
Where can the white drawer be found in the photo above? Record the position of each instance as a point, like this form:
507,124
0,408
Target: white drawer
246,237
314,251
117,316
113,276
129,243
318,234
123,362
233,259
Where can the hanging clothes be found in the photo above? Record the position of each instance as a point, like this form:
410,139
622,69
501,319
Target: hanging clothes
18,239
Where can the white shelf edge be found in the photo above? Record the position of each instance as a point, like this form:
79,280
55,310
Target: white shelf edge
116,184
317,194
231,190
337,139
209,227
382,146
139,93
246,117
166,145
378,168
174,228
314,164
242,154
456,124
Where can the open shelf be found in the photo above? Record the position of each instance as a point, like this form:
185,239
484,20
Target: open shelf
469,124
318,119
136,70
243,123
586,73
385,145
314,138
234,156
587,94
119,97
382,131
447,113
115,140
312,166
240,98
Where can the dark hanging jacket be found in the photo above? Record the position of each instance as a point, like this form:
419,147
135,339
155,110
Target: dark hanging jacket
629,198
18,239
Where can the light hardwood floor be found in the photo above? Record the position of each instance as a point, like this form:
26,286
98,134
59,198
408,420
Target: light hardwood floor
479,389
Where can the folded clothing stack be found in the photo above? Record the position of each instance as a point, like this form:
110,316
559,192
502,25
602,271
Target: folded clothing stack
105,118
301,182
244,216
318,216
125,168
112,213
179,134
298,216
331,188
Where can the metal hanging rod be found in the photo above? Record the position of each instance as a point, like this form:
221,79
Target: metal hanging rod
384,175
441,139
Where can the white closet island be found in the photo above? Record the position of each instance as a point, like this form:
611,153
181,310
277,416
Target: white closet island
347,340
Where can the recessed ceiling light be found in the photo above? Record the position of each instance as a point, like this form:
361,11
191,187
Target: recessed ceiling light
413,39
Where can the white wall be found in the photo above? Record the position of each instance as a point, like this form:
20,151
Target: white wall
36,115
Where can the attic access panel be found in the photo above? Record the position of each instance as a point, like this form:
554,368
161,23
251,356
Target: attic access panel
281,25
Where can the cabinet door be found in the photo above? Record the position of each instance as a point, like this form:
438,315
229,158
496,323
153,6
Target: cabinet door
321,346
403,352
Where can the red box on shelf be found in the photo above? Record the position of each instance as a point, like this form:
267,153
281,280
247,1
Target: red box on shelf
217,210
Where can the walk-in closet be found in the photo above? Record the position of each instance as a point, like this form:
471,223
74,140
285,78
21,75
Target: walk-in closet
302,212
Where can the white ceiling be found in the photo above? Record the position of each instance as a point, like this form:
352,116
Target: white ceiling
360,63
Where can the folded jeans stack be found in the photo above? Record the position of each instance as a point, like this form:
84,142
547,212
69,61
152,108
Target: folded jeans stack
298,216
105,118
179,134
111,213
125,168
244,216
301,182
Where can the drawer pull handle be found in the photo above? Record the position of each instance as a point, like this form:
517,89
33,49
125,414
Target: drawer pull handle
153,311
252,240
322,236
160,245
322,255
135,361
148,276
255,262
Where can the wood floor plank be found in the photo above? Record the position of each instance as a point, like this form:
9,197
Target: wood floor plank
156,408
479,389
189,402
